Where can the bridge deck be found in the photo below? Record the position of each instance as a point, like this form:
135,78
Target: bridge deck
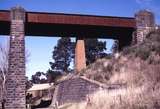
49,24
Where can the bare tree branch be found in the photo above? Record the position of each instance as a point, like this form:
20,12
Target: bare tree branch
3,69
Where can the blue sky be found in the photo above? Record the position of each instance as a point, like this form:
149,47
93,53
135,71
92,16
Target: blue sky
40,48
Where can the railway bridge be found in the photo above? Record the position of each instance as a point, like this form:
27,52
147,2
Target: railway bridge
19,23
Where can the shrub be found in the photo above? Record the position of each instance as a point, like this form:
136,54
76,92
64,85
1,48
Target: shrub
139,68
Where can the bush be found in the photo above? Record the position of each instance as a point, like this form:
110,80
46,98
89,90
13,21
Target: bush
139,68
144,49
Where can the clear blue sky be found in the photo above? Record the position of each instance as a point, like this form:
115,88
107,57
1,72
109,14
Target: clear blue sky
40,48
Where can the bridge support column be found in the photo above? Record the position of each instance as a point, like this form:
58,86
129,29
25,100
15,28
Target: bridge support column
15,97
145,23
80,58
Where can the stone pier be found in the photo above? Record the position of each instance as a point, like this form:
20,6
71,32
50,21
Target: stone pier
80,58
145,23
15,97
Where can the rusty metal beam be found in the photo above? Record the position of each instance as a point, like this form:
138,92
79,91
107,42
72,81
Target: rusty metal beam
4,15
74,19
50,24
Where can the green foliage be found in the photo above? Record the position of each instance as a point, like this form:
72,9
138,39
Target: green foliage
36,78
62,55
94,50
64,52
52,75
28,83
144,49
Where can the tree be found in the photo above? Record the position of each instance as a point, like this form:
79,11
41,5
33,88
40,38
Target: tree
64,52
38,78
62,55
52,75
94,50
28,83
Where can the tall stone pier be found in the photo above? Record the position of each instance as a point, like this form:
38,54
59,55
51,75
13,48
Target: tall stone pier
80,57
15,97
145,23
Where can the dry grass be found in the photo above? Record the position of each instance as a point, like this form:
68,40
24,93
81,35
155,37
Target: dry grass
142,92
125,99
143,86
130,98
74,106
138,67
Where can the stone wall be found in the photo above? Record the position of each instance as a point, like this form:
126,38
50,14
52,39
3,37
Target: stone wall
76,89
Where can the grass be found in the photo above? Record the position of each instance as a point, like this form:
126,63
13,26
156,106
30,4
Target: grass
138,67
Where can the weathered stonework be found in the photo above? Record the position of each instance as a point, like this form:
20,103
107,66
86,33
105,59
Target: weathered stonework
145,23
15,98
80,58
76,89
